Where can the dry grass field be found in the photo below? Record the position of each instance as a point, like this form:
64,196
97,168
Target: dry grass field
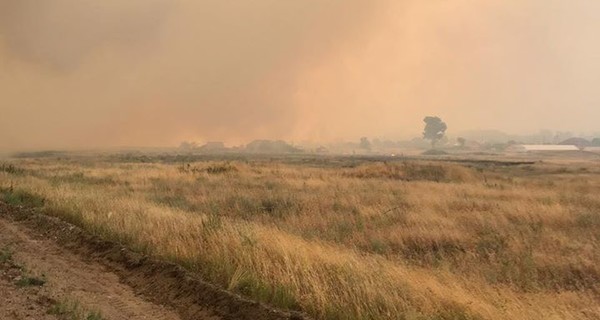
348,239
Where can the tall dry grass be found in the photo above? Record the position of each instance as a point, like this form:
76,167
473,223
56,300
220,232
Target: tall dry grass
411,240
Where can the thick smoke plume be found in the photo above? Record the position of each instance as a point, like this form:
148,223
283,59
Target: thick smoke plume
87,73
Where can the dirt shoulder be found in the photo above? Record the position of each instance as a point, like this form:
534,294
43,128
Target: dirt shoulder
21,302
103,277
40,276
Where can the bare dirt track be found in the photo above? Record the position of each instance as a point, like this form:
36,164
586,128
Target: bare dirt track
21,303
68,277
103,276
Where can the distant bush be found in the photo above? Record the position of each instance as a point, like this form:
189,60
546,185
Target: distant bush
434,152
271,147
215,168
220,168
40,154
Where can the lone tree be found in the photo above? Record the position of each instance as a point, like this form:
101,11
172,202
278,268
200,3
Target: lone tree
365,144
435,129
461,141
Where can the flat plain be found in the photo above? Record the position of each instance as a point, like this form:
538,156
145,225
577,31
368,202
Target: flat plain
346,237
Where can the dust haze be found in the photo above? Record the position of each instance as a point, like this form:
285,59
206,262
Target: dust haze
86,73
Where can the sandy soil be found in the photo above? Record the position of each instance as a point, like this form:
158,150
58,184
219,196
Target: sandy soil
21,303
68,278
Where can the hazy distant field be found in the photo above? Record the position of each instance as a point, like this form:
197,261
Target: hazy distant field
348,239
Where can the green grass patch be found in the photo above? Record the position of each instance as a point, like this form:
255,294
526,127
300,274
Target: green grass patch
21,198
27,281
5,255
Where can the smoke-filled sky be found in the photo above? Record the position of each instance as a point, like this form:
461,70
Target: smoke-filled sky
89,73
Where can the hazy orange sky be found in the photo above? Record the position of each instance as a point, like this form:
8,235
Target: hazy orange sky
89,73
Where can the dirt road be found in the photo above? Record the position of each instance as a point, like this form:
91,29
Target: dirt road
48,265
68,278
